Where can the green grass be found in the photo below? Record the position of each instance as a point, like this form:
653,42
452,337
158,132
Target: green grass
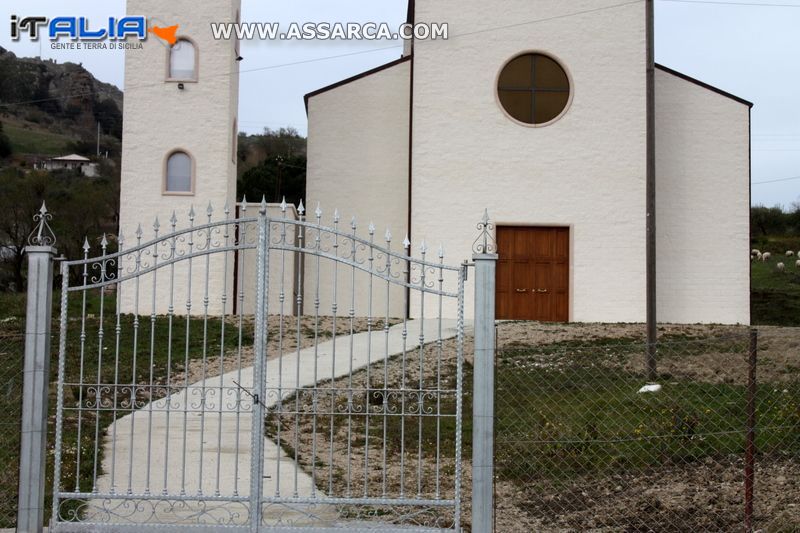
582,421
131,367
11,361
36,141
775,295
569,411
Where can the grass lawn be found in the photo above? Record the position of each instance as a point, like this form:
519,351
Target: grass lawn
591,422
34,140
775,295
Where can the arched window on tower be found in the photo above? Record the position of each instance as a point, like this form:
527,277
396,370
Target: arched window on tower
179,173
183,61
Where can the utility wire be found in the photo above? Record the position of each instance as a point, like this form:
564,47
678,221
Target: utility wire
721,3
348,54
398,46
776,180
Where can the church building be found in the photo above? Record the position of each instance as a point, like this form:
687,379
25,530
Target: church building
538,112
534,110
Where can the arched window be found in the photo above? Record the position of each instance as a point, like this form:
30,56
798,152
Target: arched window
183,61
179,176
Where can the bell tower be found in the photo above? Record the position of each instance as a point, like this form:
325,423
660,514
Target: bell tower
180,119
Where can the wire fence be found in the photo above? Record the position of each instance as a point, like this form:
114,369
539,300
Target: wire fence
583,442
11,361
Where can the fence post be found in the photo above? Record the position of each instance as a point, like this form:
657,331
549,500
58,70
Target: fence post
259,370
483,383
33,445
750,445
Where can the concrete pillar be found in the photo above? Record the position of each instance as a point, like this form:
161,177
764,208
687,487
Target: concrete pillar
33,447
483,394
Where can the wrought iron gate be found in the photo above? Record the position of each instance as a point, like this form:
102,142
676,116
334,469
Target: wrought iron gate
287,414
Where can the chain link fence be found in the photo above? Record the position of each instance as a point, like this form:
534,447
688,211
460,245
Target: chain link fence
584,442
11,364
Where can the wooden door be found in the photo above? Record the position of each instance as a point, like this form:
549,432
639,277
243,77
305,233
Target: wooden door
533,273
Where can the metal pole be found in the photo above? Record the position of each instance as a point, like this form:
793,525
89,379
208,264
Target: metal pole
750,446
259,376
652,331
33,456
483,395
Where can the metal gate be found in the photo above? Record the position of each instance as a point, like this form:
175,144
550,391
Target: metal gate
250,373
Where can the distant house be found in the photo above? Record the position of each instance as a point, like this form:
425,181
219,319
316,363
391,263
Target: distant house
70,162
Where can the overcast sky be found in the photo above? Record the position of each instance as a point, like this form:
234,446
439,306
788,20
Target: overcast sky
750,50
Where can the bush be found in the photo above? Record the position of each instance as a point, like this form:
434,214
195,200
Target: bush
5,143
774,221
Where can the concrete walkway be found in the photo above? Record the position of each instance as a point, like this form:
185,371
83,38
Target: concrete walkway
220,441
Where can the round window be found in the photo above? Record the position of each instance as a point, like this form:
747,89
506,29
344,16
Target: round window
533,88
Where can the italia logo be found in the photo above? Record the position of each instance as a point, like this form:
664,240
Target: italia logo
79,29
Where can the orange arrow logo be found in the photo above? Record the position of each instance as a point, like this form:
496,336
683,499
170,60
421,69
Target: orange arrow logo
167,33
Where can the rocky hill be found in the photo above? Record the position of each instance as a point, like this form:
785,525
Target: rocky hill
60,99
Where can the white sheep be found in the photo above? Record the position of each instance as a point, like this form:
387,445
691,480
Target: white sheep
755,251
780,267
797,263
765,256
789,253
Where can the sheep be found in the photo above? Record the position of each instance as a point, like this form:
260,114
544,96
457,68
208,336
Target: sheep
789,253
780,267
755,251
765,256
797,263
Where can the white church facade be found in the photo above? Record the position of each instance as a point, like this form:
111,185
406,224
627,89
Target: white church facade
542,123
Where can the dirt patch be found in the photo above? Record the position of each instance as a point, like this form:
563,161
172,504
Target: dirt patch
374,451
703,496
703,353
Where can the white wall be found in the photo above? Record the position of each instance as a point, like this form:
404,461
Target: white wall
358,164
587,170
158,118
703,211
282,295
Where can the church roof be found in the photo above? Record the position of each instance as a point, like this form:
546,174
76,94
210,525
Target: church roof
704,85
408,57
354,78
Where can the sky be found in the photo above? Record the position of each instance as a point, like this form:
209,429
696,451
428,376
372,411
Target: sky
750,48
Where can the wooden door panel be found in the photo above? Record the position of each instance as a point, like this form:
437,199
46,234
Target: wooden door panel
533,273
561,245
503,281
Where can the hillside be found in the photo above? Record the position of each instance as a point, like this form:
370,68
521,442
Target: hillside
63,103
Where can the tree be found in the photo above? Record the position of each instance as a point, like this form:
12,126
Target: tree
275,178
255,149
20,198
768,221
67,198
109,116
5,143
